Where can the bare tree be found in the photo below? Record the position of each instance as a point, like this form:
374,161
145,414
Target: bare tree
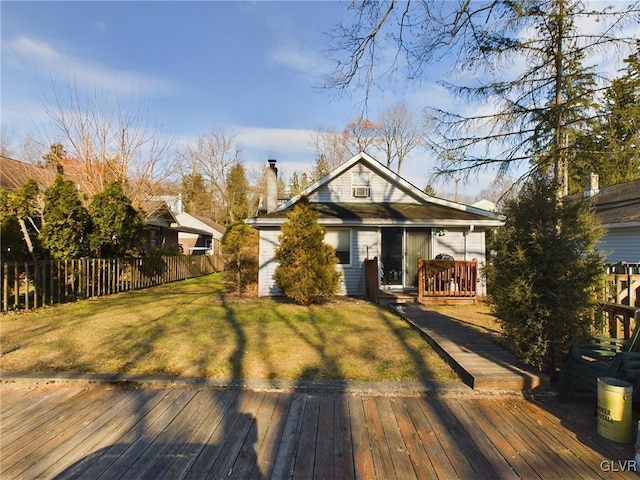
212,156
530,60
110,140
330,144
399,131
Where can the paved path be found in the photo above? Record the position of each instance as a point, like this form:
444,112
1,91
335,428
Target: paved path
480,362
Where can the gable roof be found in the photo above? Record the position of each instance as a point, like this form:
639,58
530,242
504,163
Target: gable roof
14,174
196,221
618,204
427,211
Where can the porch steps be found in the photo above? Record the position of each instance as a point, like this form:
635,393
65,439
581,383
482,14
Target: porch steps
481,363
390,296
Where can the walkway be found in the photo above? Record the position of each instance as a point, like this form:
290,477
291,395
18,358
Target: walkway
481,363
103,432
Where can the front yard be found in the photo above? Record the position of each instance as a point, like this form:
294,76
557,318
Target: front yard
192,328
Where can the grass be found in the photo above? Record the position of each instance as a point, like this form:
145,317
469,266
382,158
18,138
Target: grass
192,328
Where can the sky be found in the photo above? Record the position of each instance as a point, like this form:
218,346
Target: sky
253,69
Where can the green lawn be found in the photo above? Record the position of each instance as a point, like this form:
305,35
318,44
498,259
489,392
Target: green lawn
192,328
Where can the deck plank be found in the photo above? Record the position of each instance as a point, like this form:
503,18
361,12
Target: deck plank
343,467
238,436
285,458
325,455
430,439
269,437
206,433
306,452
498,465
27,438
362,453
447,433
382,461
398,450
418,455
512,454
76,442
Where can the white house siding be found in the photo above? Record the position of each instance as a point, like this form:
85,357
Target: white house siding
363,242
352,282
267,263
339,190
621,245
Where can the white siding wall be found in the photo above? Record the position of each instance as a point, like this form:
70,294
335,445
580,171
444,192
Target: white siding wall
266,262
339,190
621,245
352,281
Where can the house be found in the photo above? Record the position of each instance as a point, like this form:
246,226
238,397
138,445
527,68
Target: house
618,208
14,174
369,211
199,235
161,226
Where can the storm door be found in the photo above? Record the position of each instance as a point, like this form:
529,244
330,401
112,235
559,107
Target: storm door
418,245
391,264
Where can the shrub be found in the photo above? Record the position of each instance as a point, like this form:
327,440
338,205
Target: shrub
307,265
240,249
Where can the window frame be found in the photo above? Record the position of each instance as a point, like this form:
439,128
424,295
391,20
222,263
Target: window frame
349,232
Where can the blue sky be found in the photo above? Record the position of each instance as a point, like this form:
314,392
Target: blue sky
252,68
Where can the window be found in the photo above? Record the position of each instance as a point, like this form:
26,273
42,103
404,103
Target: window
360,184
340,240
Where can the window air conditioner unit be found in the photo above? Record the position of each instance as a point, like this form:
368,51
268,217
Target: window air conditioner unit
362,192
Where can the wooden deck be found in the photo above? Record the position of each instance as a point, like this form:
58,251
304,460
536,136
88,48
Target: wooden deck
481,363
110,433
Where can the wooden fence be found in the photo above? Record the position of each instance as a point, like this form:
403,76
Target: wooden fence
622,284
447,281
28,285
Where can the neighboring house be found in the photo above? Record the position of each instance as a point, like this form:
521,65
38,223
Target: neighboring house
199,235
161,226
369,211
618,208
14,174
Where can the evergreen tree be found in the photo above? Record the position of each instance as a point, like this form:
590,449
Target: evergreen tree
65,221
610,147
307,265
543,277
237,193
194,195
117,228
240,247
55,157
18,209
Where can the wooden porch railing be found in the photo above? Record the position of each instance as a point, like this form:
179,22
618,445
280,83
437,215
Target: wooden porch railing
372,279
447,281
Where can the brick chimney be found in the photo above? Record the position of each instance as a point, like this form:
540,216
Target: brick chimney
591,185
271,200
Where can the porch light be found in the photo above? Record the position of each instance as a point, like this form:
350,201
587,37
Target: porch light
440,232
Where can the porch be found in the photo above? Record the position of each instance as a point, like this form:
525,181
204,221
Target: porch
440,282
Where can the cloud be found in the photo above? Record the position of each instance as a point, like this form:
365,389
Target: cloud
307,62
41,57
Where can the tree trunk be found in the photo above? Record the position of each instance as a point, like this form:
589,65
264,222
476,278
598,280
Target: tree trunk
27,238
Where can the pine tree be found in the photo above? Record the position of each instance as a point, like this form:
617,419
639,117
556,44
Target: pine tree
240,247
237,190
543,277
117,228
65,221
307,265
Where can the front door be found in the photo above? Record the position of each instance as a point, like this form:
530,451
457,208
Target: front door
401,249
